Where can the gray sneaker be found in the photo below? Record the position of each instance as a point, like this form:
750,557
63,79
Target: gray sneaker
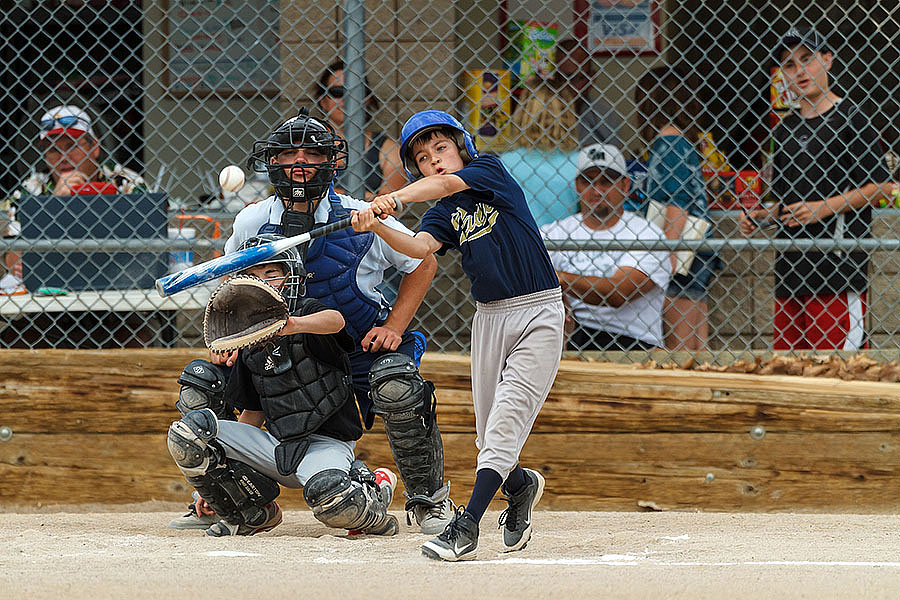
432,513
192,520
516,519
458,541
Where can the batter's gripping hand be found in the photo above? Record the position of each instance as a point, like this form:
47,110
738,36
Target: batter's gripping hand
242,312
386,205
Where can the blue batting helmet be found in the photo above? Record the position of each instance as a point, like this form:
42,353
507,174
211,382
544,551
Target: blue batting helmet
428,120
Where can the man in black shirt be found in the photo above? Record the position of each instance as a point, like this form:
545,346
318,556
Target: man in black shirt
828,171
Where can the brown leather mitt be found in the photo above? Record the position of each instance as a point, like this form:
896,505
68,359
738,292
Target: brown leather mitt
242,312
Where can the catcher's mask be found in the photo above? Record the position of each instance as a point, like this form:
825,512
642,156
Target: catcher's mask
301,131
294,286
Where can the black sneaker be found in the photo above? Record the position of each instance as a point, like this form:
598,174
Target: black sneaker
458,541
516,519
223,528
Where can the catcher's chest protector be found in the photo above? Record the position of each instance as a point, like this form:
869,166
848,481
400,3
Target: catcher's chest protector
298,393
332,263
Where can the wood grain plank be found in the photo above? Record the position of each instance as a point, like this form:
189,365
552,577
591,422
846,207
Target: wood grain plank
847,472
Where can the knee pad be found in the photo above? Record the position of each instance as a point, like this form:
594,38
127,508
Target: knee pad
398,391
342,503
189,442
202,386
407,405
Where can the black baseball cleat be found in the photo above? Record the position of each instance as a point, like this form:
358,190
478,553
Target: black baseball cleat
271,514
458,541
516,519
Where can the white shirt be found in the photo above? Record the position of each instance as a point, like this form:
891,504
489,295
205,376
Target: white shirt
640,318
371,269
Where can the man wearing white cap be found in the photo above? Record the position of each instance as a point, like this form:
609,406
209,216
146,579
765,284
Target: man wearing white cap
71,155
615,296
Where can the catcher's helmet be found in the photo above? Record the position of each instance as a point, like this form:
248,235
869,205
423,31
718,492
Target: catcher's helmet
294,286
301,131
429,120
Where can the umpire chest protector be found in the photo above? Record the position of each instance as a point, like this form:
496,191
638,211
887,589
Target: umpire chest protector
298,393
332,263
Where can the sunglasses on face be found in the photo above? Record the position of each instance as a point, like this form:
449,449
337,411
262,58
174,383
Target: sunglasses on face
67,121
336,91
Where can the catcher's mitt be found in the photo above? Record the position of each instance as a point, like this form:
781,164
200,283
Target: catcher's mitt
243,311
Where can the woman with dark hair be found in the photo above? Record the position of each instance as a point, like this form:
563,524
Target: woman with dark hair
668,113
383,172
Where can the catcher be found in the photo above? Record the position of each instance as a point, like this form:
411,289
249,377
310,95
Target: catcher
292,373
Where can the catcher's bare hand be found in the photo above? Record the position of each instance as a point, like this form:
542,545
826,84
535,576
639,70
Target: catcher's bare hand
224,358
202,507
381,339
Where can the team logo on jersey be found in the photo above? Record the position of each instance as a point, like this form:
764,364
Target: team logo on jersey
475,225
270,364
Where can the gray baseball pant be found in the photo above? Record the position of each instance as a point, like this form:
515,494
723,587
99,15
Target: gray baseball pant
255,447
516,347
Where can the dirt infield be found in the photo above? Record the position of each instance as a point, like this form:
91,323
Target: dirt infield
78,554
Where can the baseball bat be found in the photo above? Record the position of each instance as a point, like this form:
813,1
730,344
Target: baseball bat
242,259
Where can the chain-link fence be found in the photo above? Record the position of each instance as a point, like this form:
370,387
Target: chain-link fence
758,140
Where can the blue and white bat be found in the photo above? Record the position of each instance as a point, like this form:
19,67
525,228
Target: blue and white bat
242,259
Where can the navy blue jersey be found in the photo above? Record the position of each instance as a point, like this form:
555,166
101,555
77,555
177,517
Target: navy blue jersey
493,229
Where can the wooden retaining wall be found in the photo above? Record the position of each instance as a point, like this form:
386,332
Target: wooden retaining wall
89,426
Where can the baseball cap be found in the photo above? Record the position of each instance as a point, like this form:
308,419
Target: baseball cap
800,36
65,119
602,156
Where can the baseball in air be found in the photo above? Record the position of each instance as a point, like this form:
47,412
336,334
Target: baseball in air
231,178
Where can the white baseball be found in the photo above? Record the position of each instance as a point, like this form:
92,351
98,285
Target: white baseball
231,178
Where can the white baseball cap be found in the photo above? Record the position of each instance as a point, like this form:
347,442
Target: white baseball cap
602,156
66,119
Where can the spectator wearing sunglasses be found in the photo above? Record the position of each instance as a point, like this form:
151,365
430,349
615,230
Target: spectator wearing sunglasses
71,165
383,172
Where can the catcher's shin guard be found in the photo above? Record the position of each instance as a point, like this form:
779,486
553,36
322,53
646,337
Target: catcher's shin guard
343,503
236,491
406,404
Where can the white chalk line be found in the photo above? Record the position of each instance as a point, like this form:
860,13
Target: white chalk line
630,560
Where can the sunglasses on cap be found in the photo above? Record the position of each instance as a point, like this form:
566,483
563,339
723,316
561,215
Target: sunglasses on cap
336,91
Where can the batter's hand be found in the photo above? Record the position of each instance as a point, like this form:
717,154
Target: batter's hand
364,220
381,339
804,213
384,205
67,181
224,358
